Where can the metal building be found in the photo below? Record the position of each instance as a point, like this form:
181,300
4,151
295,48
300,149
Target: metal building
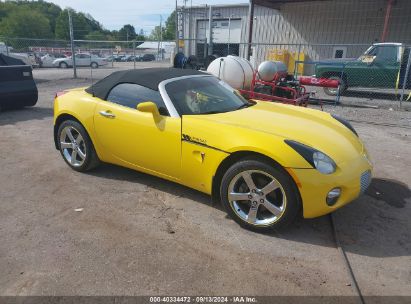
320,29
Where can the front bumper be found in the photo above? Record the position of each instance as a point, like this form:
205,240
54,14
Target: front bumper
353,178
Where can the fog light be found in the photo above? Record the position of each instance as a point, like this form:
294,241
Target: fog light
333,196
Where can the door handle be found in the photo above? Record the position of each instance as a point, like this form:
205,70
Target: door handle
107,114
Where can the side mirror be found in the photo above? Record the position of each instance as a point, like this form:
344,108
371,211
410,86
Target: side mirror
149,107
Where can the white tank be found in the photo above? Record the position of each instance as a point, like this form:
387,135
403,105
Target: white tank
235,71
268,69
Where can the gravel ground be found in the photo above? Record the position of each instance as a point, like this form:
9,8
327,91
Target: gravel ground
140,235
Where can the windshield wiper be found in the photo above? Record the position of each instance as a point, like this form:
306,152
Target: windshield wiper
212,112
246,105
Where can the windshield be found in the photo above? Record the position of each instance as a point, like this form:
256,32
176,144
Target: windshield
204,95
369,52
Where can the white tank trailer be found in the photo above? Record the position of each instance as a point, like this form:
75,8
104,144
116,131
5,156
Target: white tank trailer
235,71
268,69
238,72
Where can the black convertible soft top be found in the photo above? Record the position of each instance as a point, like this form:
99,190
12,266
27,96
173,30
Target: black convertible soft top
149,78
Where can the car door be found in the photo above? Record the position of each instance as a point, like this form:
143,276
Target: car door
82,60
357,73
385,66
79,60
136,138
360,72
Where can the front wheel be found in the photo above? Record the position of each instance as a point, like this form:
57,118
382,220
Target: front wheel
334,91
259,196
94,65
76,147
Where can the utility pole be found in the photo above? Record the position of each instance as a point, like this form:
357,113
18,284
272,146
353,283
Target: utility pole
176,21
210,30
205,33
161,36
250,28
73,55
190,34
229,33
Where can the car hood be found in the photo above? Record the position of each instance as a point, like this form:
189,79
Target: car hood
310,127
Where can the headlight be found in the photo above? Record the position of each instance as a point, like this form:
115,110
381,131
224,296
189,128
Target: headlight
317,159
323,163
345,123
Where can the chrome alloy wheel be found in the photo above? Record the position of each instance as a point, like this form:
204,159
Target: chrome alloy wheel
257,197
73,146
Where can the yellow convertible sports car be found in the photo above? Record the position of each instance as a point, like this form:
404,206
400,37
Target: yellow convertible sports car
266,162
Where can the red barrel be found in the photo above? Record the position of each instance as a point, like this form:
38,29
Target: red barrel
319,82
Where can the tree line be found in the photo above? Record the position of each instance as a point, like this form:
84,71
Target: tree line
44,20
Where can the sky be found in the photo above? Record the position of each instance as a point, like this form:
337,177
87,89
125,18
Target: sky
145,14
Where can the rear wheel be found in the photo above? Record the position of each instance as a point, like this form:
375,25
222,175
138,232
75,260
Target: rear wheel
76,147
334,91
94,65
259,196
63,65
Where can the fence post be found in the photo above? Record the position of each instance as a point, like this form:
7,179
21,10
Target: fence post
210,30
7,47
73,55
405,77
337,98
134,53
298,56
296,61
229,32
176,33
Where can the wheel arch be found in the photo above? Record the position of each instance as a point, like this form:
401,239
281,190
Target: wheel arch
59,120
327,74
237,156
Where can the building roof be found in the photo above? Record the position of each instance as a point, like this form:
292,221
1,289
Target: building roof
214,6
276,3
149,78
155,45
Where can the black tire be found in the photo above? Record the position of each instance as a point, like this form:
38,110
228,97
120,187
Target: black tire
63,65
293,201
332,91
91,159
94,65
192,62
208,60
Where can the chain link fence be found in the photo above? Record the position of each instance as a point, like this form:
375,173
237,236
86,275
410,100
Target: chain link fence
102,57
371,72
377,72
